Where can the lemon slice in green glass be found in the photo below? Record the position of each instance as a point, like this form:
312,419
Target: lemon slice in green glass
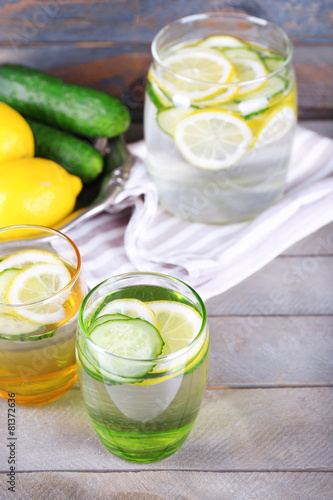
178,324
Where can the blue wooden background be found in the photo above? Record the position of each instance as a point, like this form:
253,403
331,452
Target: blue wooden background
106,44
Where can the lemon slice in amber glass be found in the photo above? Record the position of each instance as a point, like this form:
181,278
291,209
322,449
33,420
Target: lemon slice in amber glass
37,283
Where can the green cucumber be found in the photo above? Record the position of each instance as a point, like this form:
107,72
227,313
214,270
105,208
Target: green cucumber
81,110
116,154
76,156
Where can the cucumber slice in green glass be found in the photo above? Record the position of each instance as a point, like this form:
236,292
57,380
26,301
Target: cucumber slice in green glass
89,365
168,118
133,338
106,317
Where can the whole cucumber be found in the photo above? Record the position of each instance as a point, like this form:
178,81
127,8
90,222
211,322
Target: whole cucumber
76,156
81,110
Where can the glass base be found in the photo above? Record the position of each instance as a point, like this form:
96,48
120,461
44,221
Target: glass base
144,448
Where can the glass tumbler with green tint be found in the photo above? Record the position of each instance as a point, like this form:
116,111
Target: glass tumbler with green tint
142,353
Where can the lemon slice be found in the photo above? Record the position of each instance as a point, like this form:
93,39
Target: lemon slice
200,64
26,258
280,122
221,41
178,324
249,69
212,139
37,283
130,307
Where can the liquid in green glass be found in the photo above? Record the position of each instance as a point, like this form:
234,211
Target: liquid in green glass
147,419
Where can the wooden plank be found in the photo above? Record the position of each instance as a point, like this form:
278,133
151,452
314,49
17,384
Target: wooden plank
271,351
285,286
121,69
173,485
236,429
139,21
318,243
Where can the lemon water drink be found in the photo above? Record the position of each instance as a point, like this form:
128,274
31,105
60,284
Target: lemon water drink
40,295
142,355
220,114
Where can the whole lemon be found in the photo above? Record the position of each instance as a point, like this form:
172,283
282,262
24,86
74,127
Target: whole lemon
16,137
36,191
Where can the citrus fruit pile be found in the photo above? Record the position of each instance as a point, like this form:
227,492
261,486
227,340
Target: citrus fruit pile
32,190
60,123
220,97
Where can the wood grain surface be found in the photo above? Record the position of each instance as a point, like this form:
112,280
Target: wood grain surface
271,351
280,429
139,20
174,485
288,285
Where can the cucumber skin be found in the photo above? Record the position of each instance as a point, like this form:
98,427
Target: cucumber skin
81,110
76,156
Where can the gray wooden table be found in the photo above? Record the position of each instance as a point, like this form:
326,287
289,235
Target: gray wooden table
265,429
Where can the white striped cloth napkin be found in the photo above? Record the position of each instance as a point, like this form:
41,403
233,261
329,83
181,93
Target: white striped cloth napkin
136,234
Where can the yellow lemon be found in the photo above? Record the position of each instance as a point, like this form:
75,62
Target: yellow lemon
36,191
16,137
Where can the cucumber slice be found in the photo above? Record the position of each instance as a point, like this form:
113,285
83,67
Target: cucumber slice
93,369
242,53
273,63
6,277
132,338
106,317
168,118
157,97
13,326
273,86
